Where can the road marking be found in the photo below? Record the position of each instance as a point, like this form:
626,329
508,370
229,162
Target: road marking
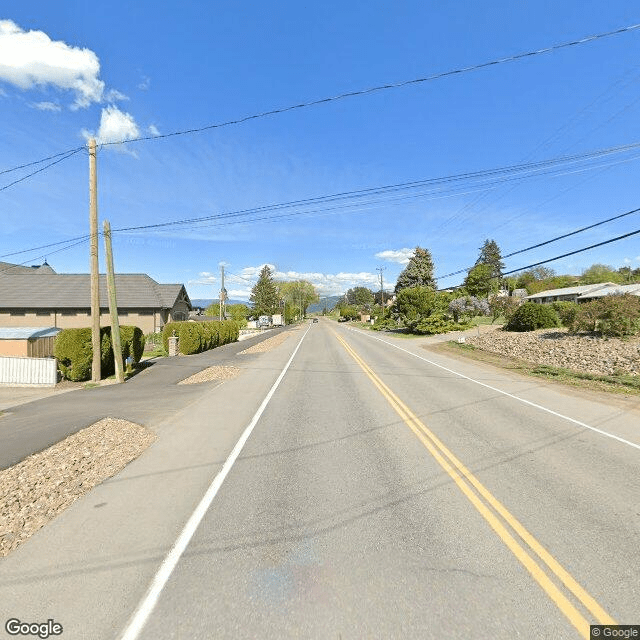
505,393
463,479
145,607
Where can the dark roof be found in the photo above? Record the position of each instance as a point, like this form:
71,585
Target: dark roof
13,269
73,291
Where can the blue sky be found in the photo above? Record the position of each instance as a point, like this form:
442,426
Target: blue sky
119,70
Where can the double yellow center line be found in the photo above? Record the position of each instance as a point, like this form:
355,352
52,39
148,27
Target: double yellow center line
496,514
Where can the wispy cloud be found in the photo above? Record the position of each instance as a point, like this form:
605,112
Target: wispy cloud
46,106
113,95
401,256
153,130
31,59
145,83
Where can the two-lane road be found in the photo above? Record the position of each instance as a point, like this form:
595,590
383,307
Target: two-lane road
382,496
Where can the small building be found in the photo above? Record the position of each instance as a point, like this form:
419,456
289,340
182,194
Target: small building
27,342
567,294
611,290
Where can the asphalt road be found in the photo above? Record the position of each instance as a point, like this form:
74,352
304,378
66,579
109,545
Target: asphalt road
379,495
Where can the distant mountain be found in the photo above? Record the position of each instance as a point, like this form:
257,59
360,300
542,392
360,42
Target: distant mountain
204,303
329,302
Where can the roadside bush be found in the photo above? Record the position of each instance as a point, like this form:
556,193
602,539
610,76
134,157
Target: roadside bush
195,337
531,316
170,329
468,307
566,311
74,353
504,306
382,324
438,323
611,316
132,342
190,338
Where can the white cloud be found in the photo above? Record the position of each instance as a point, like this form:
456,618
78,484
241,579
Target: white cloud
113,95
153,130
115,126
401,256
3,93
241,294
145,83
327,284
46,106
31,59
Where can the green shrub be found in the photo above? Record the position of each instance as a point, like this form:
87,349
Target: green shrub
170,329
531,316
611,316
74,353
566,311
189,336
107,365
437,323
132,342
387,323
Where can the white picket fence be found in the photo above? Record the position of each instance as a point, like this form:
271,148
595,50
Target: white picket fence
28,371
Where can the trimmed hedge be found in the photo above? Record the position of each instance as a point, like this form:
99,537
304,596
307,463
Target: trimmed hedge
74,351
566,311
195,337
531,316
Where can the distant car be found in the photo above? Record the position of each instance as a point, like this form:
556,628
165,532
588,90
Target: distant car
315,319
342,319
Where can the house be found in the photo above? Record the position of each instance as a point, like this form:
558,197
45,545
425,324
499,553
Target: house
568,294
63,300
611,290
27,342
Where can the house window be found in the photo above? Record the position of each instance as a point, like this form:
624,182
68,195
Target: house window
179,316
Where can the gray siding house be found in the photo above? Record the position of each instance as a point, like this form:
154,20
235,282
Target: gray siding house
34,298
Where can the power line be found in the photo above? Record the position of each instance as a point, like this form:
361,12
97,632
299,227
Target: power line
385,87
45,246
573,253
503,173
29,175
546,242
342,96
31,164
24,264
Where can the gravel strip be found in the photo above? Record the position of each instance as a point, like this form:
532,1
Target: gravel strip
558,348
268,344
212,373
36,490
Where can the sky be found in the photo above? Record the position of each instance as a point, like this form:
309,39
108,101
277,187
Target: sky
70,70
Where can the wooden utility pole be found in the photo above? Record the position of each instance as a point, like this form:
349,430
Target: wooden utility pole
93,253
223,293
381,269
113,304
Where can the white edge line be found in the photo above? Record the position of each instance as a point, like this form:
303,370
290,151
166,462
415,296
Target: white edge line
147,604
505,393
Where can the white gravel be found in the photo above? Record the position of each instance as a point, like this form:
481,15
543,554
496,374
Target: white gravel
558,348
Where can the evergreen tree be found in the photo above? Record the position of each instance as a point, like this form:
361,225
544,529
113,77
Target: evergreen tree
490,254
418,273
264,294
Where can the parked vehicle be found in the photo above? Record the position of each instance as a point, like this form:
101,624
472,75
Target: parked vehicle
263,322
276,320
